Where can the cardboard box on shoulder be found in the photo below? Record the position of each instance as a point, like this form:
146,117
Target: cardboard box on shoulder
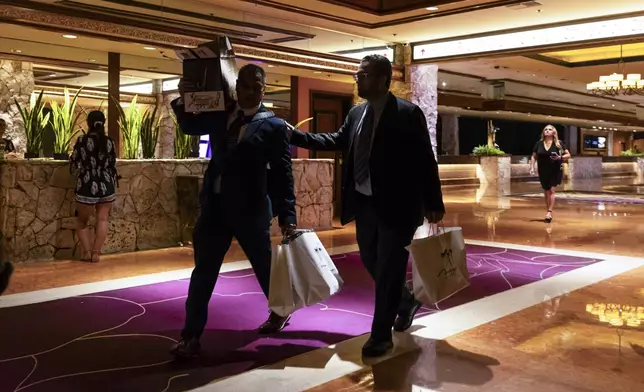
211,71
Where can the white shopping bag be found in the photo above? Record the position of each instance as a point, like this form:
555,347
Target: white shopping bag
302,274
439,263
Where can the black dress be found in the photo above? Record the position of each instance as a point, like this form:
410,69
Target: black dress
97,175
550,171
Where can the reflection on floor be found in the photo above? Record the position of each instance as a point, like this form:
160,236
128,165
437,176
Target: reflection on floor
558,334
129,319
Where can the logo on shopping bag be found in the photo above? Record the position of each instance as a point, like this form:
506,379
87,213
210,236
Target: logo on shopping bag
449,268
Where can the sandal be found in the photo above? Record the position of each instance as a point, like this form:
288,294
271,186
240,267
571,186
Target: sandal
96,256
549,216
88,256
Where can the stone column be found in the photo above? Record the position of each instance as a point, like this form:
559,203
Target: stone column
165,146
424,93
450,134
16,82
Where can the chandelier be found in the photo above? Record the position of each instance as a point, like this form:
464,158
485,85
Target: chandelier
617,315
617,84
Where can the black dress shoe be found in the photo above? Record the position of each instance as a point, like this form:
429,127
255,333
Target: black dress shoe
5,276
374,348
274,324
406,315
186,349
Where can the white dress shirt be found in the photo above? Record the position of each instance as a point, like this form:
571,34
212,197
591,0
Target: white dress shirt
378,107
242,130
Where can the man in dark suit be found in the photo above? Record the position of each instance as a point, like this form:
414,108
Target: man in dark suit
234,198
390,182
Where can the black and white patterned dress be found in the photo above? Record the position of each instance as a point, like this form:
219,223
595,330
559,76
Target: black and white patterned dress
97,175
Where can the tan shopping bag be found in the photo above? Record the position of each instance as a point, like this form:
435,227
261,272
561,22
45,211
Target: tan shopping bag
439,264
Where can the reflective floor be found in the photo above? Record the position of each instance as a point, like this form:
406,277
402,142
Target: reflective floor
578,331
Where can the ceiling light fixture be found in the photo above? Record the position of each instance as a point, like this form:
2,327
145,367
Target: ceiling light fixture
149,48
69,36
16,51
432,8
617,84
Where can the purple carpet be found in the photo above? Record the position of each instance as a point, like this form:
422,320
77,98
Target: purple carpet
118,340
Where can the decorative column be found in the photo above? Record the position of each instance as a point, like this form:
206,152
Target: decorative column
114,92
165,147
16,82
449,133
424,93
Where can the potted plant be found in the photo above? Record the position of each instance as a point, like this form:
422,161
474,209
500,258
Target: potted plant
64,121
487,151
35,122
130,125
182,142
150,132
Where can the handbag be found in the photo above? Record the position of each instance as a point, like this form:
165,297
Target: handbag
302,274
439,263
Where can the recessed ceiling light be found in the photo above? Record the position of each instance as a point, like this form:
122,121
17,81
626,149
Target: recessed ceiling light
52,75
91,60
432,8
69,36
149,48
317,72
16,50
271,66
444,84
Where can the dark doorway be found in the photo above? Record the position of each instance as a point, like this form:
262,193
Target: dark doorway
328,111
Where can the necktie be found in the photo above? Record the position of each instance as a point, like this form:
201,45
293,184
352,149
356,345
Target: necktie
363,148
232,135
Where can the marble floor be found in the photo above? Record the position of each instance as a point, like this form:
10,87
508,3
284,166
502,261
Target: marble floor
577,331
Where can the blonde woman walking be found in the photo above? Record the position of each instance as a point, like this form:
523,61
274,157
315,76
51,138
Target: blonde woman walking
549,153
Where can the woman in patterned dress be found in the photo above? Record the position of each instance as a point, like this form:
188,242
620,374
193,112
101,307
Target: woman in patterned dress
95,159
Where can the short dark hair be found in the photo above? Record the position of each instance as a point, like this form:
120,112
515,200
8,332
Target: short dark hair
254,69
381,65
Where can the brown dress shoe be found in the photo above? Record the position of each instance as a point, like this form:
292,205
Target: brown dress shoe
274,324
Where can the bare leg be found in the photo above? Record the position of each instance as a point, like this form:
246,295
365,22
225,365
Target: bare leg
552,199
84,213
102,216
546,198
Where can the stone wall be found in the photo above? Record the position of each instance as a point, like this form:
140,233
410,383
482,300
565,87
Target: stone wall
313,181
37,205
580,168
16,81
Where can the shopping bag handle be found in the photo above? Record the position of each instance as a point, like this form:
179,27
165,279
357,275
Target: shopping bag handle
287,239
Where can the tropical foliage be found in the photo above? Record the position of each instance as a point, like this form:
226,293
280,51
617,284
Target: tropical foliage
130,125
487,151
35,122
182,142
150,125
64,121
633,152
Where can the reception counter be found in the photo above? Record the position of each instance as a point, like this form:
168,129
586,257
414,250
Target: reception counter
37,205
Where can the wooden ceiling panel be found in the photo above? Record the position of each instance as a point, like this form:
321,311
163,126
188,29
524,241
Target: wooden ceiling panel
388,7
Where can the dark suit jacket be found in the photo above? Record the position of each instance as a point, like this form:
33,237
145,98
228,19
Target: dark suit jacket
404,172
245,171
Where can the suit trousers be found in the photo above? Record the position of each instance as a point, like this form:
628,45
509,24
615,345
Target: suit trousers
382,249
213,235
